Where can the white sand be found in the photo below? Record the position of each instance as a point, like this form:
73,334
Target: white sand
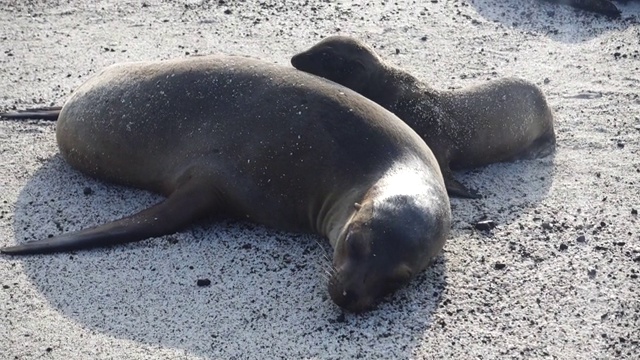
268,298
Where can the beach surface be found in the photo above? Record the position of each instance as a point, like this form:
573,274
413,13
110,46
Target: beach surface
557,278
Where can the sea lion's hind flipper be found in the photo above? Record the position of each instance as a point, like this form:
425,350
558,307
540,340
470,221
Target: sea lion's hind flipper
43,113
456,189
181,208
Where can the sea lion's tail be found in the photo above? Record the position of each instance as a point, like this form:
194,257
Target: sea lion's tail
44,113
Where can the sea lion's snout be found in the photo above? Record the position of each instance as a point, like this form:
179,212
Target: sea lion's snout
298,61
349,291
361,279
316,62
358,287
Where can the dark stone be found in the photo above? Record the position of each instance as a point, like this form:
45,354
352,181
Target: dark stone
203,282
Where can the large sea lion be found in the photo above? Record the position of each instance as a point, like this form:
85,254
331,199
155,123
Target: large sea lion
501,120
244,138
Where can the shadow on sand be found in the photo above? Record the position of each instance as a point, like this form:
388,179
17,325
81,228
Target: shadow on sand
508,190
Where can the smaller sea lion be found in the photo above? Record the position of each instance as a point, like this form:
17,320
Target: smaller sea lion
501,120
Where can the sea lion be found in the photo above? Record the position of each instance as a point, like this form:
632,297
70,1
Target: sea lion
500,120
240,137
603,7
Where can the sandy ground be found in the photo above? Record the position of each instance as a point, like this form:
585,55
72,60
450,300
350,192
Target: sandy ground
557,278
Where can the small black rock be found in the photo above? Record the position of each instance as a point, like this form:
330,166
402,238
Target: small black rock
87,191
634,212
547,226
485,225
203,282
563,247
592,273
227,11
581,239
499,266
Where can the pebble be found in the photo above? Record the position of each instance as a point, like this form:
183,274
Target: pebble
485,225
203,282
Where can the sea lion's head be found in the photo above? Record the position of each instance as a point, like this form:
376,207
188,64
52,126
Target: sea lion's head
385,244
341,59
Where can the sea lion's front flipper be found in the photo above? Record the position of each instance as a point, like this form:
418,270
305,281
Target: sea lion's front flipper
181,208
456,189
44,113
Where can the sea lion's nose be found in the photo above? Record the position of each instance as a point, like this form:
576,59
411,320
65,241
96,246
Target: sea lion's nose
347,299
354,300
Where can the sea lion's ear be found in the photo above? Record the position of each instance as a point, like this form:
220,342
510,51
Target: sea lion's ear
357,206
